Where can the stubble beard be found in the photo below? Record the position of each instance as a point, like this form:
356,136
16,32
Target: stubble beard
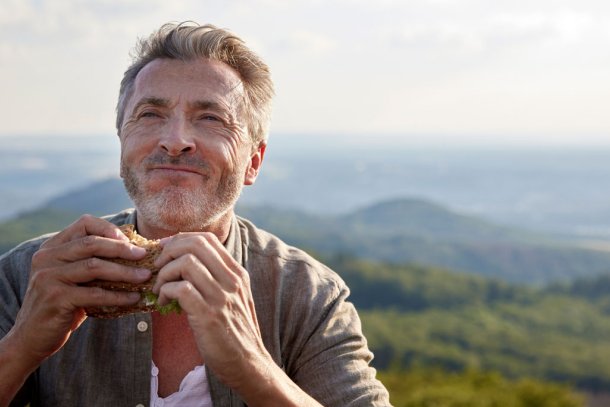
182,209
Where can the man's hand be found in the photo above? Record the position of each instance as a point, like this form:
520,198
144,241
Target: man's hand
54,300
214,291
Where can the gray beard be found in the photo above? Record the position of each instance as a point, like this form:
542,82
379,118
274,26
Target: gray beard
179,209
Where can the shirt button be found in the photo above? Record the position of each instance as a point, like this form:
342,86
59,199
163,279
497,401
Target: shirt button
140,405
142,326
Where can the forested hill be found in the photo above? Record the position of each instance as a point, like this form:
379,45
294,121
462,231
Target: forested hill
421,317
398,231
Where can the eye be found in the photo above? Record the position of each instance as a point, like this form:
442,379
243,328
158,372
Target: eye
209,117
149,113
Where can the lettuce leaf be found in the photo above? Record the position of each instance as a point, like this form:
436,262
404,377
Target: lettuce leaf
172,306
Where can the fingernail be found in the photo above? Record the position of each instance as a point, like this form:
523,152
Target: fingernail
134,296
163,241
143,273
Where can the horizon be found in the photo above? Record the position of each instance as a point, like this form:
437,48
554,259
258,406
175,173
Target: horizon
356,141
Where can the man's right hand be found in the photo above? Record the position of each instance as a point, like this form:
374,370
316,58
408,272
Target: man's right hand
54,302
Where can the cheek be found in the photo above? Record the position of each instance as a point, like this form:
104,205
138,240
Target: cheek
135,146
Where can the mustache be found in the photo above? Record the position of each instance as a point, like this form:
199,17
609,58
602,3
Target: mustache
160,158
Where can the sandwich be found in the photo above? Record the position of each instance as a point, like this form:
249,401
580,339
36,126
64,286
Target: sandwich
148,301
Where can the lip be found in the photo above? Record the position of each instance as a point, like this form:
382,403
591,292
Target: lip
176,169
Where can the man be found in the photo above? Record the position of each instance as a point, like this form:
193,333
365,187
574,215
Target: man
263,324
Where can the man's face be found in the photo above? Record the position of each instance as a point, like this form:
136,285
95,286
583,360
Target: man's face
185,151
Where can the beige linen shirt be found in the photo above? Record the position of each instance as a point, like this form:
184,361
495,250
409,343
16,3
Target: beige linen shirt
307,326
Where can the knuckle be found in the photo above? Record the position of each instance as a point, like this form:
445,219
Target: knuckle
186,288
210,237
97,294
86,218
88,241
92,264
187,265
201,240
39,257
190,260
234,284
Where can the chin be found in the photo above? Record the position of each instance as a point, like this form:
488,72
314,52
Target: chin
174,208
171,213
182,212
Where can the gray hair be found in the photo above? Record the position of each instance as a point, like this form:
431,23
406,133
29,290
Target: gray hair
188,41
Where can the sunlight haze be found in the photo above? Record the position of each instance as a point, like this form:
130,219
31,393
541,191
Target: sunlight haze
418,71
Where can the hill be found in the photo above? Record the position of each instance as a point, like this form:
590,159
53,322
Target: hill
420,232
428,317
397,231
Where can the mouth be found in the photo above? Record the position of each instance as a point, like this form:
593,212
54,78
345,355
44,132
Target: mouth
172,169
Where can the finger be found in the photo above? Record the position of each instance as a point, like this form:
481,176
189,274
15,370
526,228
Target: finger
93,268
84,226
85,247
202,246
98,297
224,254
185,293
58,298
231,263
189,268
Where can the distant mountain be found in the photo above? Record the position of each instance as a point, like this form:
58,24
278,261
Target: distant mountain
422,218
100,198
396,231
422,232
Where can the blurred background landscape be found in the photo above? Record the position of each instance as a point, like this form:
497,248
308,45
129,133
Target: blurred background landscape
479,274
449,159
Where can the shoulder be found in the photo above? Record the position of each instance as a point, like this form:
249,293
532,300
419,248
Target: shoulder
22,254
271,259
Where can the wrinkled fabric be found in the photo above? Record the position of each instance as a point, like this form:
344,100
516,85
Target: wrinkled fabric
309,328
194,390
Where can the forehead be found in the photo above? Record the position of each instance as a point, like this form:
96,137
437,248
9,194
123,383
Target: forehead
198,79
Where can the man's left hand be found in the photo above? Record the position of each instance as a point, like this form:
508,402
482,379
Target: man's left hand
214,291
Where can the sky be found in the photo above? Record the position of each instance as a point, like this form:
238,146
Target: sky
384,71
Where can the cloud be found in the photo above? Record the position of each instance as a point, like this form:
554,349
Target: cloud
340,65
307,43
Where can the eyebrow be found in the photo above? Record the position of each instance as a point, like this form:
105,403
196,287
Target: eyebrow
152,101
199,104
208,105
215,107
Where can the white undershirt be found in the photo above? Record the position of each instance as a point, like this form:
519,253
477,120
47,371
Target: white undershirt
194,390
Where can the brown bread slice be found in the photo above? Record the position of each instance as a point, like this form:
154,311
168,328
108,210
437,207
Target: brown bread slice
153,249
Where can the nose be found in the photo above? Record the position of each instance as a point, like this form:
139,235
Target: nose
178,138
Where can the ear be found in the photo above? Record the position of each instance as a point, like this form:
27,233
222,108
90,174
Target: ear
254,166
